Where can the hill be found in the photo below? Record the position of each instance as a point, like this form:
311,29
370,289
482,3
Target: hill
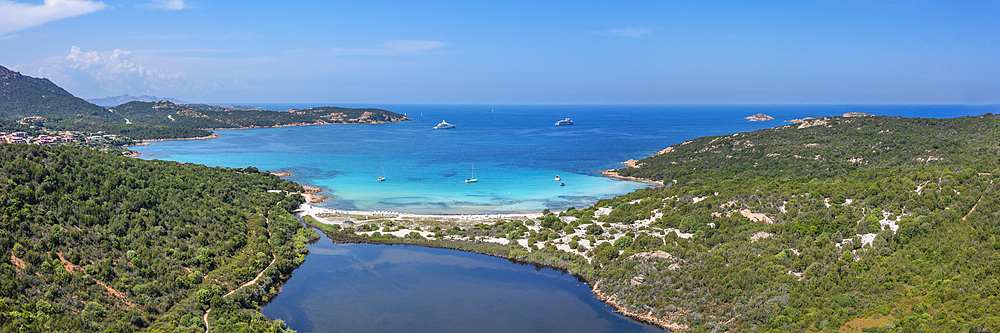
94,242
165,113
119,100
837,223
23,96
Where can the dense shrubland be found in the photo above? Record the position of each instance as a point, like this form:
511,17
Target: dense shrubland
98,242
826,187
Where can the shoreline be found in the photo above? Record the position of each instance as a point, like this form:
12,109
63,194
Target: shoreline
504,250
216,135
301,124
144,142
612,173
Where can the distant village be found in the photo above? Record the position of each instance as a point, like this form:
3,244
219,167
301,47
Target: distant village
48,137
24,138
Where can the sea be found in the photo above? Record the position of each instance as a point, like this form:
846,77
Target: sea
515,151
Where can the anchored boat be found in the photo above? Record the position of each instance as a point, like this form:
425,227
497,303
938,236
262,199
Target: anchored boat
473,179
444,125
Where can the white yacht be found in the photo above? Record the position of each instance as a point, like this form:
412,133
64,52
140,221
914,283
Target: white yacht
557,178
444,125
566,121
473,179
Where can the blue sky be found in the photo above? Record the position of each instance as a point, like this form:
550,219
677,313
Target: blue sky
556,52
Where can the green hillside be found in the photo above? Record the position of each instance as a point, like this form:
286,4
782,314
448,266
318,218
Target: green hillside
95,242
876,223
165,113
22,96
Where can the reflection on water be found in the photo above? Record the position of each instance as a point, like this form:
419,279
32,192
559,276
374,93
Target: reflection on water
381,288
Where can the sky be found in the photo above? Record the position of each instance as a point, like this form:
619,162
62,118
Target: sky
512,52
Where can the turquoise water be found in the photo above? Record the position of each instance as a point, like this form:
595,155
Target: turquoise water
381,288
516,151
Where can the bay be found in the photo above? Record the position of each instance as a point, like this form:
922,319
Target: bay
516,151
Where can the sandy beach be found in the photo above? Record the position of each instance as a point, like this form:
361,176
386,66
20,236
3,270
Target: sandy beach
611,173
213,136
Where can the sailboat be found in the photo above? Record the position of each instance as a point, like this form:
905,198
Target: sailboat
383,174
473,179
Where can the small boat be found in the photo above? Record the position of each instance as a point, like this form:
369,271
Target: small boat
383,174
473,179
562,184
566,121
557,178
444,125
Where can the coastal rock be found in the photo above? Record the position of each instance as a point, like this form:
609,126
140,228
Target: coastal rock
759,117
856,114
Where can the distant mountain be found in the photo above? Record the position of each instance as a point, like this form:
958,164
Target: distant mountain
22,96
164,113
119,100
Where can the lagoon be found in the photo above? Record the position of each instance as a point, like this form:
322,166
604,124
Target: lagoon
401,288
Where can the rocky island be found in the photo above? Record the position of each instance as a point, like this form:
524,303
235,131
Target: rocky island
759,117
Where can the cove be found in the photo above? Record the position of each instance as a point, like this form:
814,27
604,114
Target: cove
405,288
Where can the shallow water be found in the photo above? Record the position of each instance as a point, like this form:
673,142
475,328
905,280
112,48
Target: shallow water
516,151
399,288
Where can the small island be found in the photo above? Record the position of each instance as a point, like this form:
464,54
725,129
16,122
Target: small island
759,117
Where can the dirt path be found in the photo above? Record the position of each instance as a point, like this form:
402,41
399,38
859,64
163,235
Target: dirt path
267,221
273,259
974,207
206,319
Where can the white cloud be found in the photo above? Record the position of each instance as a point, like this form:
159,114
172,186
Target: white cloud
628,32
391,48
18,16
102,73
169,4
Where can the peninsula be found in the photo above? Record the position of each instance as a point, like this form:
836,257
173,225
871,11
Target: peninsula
47,106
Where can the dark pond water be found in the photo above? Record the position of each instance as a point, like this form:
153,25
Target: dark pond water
382,288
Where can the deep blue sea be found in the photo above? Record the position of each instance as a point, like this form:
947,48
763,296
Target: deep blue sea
514,150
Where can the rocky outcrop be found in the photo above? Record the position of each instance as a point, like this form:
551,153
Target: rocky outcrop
759,117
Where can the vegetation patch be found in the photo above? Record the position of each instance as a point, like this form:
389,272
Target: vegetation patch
98,242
